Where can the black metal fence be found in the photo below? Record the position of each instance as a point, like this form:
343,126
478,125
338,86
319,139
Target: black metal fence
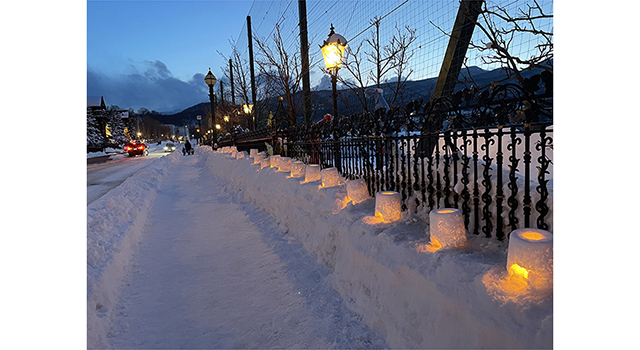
488,153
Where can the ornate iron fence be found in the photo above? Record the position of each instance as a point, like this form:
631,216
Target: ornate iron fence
478,151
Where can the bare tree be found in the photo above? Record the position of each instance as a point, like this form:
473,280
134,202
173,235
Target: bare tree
399,56
500,28
393,57
281,71
242,84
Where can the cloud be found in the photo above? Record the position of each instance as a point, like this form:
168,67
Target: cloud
149,84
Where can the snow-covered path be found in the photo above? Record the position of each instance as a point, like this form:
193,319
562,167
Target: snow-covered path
216,272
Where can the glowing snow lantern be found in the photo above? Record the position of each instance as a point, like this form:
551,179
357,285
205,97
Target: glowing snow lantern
275,160
330,177
253,152
297,169
239,155
388,206
264,163
446,228
530,257
257,159
284,164
233,154
312,173
357,190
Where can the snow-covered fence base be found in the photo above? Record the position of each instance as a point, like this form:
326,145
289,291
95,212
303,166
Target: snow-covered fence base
416,298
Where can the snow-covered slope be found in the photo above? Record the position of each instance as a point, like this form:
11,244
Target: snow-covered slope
417,299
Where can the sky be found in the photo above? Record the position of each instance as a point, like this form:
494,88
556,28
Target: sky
155,54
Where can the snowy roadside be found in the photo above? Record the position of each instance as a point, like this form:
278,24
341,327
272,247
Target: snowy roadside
114,226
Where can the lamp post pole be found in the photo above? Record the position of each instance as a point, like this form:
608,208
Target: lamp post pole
210,79
334,81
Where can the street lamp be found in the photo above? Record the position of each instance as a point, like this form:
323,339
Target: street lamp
210,79
332,51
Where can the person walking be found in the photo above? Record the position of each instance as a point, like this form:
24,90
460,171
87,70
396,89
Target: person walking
187,148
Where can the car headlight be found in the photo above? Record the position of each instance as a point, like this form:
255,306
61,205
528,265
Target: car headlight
165,147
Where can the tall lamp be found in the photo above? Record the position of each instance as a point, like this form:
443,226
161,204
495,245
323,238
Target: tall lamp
332,51
210,79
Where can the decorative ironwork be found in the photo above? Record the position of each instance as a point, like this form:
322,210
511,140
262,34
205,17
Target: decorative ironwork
443,152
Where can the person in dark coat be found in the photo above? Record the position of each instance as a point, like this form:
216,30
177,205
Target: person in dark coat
187,148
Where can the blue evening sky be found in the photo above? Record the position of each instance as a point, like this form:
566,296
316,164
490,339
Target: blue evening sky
154,54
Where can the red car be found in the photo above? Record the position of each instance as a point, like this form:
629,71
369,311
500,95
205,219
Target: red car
136,148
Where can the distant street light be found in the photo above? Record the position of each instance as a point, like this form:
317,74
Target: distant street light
210,79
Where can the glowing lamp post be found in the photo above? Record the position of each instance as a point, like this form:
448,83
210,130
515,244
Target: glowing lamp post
312,173
332,51
446,228
297,169
248,109
210,80
330,177
530,257
357,190
388,206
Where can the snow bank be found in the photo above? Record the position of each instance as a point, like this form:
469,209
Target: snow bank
114,227
457,298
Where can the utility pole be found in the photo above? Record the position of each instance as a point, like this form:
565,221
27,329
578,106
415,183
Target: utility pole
253,77
304,55
233,95
457,49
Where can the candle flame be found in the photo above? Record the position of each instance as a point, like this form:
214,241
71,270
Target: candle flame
517,270
532,236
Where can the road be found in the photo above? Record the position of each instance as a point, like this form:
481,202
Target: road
103,177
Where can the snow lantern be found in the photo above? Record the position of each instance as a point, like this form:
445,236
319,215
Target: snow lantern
330,177
357,190
297,169
257,159
388,206
446,228
239,155
275,160
530,257
233,154
264,163
253,152
284,164
312,173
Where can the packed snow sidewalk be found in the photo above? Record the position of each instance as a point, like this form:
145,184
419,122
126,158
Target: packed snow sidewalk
206,270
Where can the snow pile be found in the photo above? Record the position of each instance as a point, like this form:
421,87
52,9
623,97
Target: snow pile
450,298
114,227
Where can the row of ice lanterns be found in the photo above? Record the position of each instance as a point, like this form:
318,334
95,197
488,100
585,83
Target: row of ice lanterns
530,252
